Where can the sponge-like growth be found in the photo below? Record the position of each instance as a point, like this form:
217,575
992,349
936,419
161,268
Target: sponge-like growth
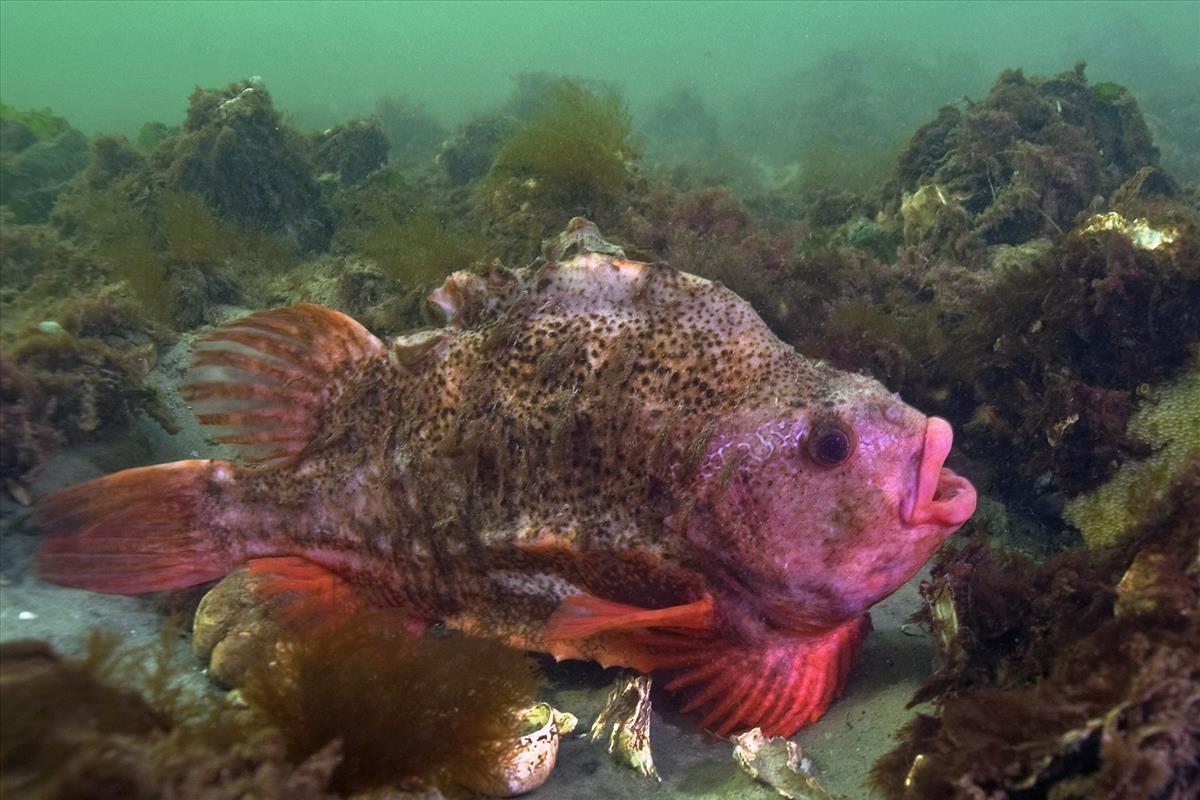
1170,423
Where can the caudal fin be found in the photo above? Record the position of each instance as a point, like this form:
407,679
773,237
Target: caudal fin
140,530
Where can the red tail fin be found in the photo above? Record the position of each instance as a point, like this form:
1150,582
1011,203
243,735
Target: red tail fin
141,530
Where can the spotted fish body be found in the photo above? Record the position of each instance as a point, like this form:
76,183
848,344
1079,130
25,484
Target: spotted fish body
593,457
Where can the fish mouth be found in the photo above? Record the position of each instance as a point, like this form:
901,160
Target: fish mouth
940,496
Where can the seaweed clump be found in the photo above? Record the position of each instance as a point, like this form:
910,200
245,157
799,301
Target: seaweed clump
119,722
420,250
1062,344
1077,678
360,706
569,158
408,710
28,434
72,379
177,255
575,150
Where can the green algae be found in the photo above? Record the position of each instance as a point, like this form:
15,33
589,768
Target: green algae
41,122
574,150
420,250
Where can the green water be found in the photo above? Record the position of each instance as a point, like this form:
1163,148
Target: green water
113,66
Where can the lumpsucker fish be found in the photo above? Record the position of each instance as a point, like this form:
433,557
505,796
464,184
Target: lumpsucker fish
592,457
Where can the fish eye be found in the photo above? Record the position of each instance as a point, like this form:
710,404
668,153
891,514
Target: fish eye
830,443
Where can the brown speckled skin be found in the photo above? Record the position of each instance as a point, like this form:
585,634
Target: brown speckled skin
598,425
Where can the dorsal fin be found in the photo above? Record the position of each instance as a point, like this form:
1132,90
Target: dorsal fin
266,378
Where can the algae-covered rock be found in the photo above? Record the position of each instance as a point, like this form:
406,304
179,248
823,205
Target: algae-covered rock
1028,158
237,153
350,152
413,134
467,156
39,155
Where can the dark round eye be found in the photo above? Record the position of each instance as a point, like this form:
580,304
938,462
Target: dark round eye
830,443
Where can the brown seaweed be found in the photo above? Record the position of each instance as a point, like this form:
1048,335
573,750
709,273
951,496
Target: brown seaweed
1077,678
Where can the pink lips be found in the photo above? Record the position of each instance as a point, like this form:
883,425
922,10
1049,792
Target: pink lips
941,497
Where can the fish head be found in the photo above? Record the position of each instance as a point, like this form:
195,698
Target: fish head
814,510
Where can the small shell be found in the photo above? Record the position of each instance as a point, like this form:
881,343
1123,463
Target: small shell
529,762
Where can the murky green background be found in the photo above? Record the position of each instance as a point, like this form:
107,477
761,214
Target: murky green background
113,66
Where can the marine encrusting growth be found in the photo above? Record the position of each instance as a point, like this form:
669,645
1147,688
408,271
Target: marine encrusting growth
594,458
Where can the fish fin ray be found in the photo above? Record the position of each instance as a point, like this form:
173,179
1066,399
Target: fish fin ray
583,615
266,380
139,530
779,687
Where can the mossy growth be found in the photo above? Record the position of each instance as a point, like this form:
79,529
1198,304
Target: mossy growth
573,152
41,122
419,250
152,134
123,721
830,166
1169,422
408,709
1108,92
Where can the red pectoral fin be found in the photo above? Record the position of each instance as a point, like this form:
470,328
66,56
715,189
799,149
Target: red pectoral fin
583,615
779,687
316,594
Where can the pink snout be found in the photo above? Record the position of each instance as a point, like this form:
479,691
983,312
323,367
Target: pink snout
941,497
